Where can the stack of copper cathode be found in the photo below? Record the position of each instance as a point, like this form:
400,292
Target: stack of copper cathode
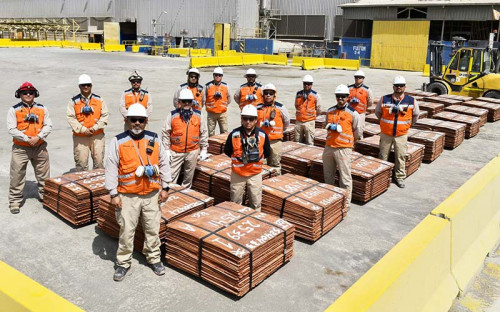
320,137
313,207
454,131
433,142
442,100
413,158
486,103
73,195
216,143
431,108
289,133
419,93
320,121
180,203
371,129
213,176
471,122
296,157
230,246
460,98
370,176
481,113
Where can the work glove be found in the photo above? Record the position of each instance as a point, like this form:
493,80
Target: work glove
203,155
250,97
264,123
394,110
169,155
272,123
339,128
354,100
331,126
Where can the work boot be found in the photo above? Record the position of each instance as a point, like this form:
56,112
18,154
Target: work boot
120,273
400,183
40,197
14,209
158,268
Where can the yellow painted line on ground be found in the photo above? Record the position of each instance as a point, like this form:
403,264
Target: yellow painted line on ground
493,270
20,293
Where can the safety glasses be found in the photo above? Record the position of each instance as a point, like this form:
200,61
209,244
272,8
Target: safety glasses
86,85
186,101
246,118
307,83
251,76
399,85
218,75
135,81
359,77
193,76
268,92
341,96
136,119
28,93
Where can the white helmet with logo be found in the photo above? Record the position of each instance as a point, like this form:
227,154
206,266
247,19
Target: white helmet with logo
359,73
218,70
251,71
308,78
194,70
84,79
342,89
399,80
137,110
186,94
249,110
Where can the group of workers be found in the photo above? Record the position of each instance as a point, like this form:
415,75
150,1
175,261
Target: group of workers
140,165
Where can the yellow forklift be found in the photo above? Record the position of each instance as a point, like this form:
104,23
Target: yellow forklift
472,71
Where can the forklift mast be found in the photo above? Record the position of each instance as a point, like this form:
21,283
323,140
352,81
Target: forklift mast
436,59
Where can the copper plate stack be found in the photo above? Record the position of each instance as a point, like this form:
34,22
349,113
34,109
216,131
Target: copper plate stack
414,152
457,97
313,207
371,109
431,108
73,195
289,133
230,246
493,109
216,143
421,93
481,113
489,100
296,157
454,131
371,129
370,176
180,203
320,137
372,118
213,177
320,121
471,122
442,100
433,142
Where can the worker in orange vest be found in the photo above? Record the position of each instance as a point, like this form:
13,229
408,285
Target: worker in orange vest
87,115
135,95
183,134
273,118
343,130
249,92
360,97
29,125
247,146
137,178
308,107
192,85
397,112
217,98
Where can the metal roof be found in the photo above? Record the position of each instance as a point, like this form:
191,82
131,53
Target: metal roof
425,3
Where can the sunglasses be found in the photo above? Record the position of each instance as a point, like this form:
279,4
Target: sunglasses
251,76
341,96
193,76
268,93
218,75
135,119
86,85
399,85
359,77
307,83
136,81
248,118
28,93
186,101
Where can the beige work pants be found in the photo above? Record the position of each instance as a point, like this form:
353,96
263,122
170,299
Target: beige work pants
213,119
274,159
186,162
93,145
338,158
146,208
252,184
304,132
362,121
386,141
21,155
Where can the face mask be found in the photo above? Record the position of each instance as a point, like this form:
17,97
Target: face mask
186,114
136,131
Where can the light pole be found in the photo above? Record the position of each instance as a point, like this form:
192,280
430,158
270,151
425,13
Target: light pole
154,25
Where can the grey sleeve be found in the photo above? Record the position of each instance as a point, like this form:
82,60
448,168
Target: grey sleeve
71,117
165,132
228,95
149,110
319,109
416,112
47,125
111,171
370,98
378,108
103,120
286,117
237,96
164,165
176,96
123,109
12,127
356,125
203,134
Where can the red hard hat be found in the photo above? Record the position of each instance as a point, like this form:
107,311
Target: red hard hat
26,87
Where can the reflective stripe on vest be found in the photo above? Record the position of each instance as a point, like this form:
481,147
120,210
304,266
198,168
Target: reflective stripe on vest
360,93
343,117
396,124
306,108
250,169
216,105
263,112
185,137
247,90
32,128
88,121
132,97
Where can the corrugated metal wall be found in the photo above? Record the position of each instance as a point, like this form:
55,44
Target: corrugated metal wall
330,8
56,8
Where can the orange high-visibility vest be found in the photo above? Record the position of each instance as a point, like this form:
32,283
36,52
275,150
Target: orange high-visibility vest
343,117
263,112
88,121
29,128
141,97
216,105
128,182
185,137
361,93
246,89
305,105
250,169
396,124
197,94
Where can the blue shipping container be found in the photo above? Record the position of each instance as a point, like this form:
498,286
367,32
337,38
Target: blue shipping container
357,48
260,46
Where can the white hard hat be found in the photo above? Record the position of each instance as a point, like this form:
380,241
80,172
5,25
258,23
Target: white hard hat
399,80
308,78
84,79
251,71
193,70
359,73
269,86
218,70
342,89
137,110
249,110
186,94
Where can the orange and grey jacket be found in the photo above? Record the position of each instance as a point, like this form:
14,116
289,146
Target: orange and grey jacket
184,137
130,97
217,97
397,124
281,119
307,105
360,97
80,122
22,127
348,119
242,96
198,94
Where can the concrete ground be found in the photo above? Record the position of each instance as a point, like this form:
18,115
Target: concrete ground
78,263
